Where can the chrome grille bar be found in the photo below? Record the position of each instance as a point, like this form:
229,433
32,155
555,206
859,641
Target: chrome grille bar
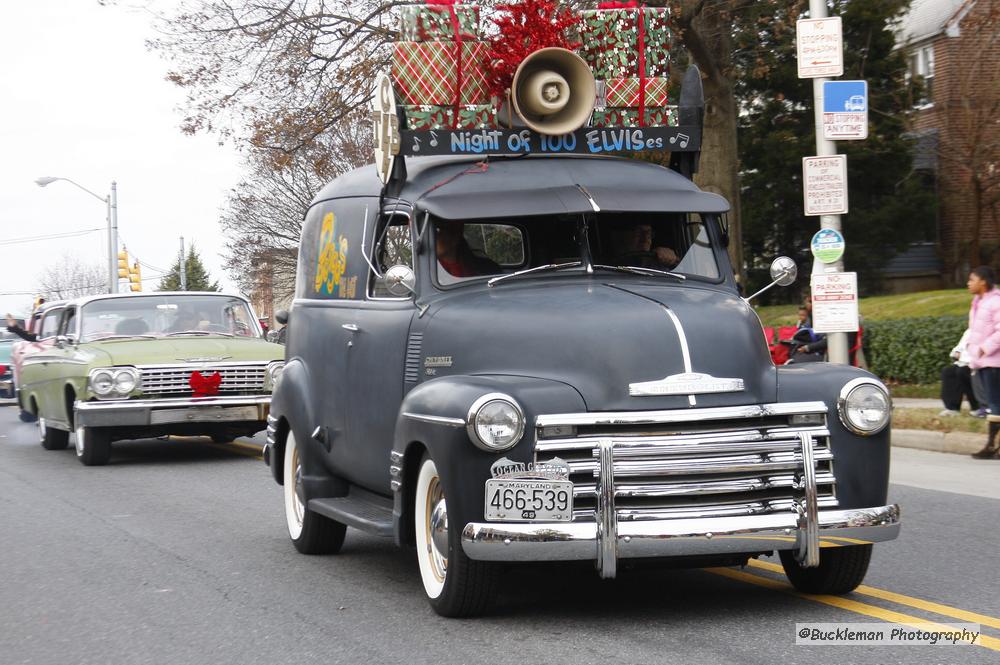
174,379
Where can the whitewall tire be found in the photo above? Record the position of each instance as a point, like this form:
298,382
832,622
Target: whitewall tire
310,532
456,585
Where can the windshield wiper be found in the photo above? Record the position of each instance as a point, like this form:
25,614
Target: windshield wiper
199,332
548,266
639,270
101,339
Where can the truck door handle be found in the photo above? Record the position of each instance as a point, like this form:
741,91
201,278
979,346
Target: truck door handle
350,326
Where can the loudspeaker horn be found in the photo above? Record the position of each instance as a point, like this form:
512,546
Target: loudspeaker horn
553,91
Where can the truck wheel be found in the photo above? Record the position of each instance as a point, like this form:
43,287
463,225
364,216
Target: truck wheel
310,532
52,439
456,585
93,446
840,569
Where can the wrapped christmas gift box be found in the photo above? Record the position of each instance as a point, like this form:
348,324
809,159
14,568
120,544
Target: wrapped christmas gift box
612,39
433,23
625,92
470,116
655,116
433,73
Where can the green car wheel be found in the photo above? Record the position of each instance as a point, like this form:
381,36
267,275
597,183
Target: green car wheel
52,439
93,446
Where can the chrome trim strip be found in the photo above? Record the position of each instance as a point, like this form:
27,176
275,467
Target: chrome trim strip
436,420
396,457
167,403
808,535
685,466
679,415
184,365
685,351
606,515
577,541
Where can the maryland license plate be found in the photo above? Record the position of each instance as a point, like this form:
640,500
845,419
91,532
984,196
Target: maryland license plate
529,500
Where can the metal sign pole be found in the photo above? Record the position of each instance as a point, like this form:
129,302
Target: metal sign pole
836,342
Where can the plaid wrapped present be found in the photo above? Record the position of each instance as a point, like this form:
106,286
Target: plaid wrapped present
625,92
611,41
659,116
433,23
470,116
428,73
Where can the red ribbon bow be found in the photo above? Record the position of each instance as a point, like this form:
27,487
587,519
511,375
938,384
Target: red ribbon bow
205,386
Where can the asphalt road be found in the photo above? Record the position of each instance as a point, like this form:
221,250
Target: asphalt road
177,553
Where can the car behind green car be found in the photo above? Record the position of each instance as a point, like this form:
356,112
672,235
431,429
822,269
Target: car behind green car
146,365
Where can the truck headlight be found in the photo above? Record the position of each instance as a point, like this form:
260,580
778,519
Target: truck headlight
864,406
113,381
495,422
274,371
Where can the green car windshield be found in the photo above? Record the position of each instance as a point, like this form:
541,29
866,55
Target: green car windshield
167,315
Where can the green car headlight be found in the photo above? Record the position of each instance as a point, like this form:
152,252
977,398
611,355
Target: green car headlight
274,371
102,382
113,381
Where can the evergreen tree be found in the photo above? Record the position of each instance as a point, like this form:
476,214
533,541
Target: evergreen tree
890,204
198,278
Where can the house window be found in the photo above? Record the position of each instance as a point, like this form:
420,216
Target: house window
922,65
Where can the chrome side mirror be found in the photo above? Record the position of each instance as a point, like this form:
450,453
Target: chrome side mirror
783,273
400,281
62,341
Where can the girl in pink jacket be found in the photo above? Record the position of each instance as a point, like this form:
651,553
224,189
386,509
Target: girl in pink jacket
983,347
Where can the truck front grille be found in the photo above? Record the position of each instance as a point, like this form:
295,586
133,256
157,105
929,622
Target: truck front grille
692,462
173,380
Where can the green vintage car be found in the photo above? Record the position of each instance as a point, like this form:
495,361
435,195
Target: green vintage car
146,365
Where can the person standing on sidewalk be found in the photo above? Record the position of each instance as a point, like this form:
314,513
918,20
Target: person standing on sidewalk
984,348
956,381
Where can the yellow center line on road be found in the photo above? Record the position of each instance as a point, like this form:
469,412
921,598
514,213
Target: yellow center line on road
891,616
900,599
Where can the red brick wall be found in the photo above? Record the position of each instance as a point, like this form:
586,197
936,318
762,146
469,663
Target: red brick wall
965,111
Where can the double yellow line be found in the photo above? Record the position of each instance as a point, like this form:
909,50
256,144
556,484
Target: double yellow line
870,610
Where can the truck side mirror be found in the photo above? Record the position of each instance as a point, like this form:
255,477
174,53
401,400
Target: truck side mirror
783,273
281,316
400,281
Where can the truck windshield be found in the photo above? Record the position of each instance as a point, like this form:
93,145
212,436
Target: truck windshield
656,242
168,315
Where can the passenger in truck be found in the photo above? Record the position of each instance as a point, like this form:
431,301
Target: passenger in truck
454,255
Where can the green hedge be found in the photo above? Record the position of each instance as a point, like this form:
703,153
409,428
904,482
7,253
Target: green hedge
911,350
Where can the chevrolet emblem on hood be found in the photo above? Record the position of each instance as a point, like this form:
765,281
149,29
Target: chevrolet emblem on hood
205,359
688,383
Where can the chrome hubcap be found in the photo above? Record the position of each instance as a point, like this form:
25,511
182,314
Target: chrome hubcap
437,529
298,495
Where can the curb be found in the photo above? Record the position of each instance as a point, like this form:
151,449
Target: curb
961,443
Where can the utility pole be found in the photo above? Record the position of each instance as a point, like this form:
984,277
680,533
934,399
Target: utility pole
184,279
113,235
836,342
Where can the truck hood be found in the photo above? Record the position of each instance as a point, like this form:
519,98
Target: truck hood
172,350
602,336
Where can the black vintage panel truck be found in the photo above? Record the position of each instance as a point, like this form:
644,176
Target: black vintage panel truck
523,356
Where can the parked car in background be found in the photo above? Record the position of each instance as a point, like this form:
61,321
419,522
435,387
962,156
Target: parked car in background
143,365
6,367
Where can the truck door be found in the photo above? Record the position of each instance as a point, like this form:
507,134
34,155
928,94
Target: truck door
377,357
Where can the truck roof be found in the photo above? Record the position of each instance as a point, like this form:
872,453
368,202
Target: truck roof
478,186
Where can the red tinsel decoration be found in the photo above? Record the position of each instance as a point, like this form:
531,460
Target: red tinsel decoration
525,27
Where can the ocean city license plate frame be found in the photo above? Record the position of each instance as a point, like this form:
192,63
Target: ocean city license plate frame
536,507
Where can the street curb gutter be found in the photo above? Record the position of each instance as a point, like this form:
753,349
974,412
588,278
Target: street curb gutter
961,443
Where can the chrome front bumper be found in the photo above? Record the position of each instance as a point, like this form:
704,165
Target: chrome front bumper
575,541
174,410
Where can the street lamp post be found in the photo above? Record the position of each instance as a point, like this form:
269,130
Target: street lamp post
111,201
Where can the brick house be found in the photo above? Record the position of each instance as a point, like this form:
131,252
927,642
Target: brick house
954,48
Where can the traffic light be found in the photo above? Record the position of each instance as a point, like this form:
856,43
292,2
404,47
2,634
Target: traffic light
135,278
123,263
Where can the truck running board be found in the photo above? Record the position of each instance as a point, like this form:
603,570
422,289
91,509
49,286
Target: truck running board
366,512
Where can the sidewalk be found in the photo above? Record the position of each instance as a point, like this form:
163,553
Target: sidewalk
962,443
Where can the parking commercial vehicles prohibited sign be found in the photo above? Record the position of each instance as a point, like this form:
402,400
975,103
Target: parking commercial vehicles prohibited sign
835,302
819,47
824,185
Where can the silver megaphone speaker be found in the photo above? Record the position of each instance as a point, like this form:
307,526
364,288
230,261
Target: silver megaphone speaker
553,92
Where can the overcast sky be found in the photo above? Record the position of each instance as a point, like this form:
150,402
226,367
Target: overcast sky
82,98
